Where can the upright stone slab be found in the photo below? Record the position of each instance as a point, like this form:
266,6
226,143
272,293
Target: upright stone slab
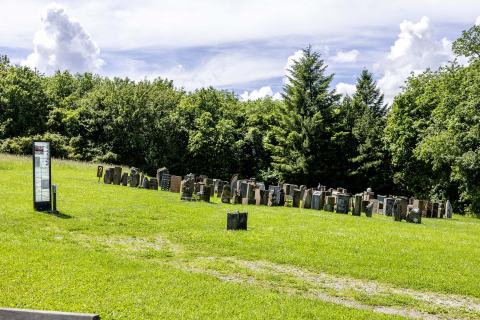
237,197
163,171
414,216
276,190
134,178
226,193
175,184
117,175
357,206
307,199
272,199
108,177
397,210
237,220
364,205
342,203
388,206
441,210
296,198
153,184
164,185
261,197
329,203
434,209
429,209
302,191
205,194
124,179
243,189
145,183
448,210
250,195
380,207
318,200
369,210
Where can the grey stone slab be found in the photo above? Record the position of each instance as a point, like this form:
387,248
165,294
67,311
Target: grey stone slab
369,209
397,210
448,210
388,207
342,203
26,314
357,205
237,220
414,216
318,200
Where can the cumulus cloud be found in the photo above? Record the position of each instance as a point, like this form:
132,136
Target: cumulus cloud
261,93
477,22
342,57
63,43
295,57
416,50
345,88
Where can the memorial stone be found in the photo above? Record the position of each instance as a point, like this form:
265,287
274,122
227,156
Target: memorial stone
342,203
272,199
205,194
318,200
244,188
302,191
237,220
162,171
397,210
146,183
369,210
357,206
429,209
388,206
441,210
261,197
164,182
153,184
364,205
226,193
329,203
124,179
175,183
414,216
134,178
117,175
434,209
448,210
296,198
307,199
250,198
108,177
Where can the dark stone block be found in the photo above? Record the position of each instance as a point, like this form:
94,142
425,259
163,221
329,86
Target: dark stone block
369,209
237,220
342,203
414,216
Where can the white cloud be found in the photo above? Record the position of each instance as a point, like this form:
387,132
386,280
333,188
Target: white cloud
261,93
345,88
295,57
63,43
416,50
477,22
343,57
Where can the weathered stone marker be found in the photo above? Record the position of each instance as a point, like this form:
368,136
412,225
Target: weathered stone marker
146,183
250,195
357,206
369,209
261,197
296,198
441,210
388,207
108,177
318,200
307,199
342,203
117,175
414,216
397,210
205,193
153,184
448,210
226,193
175,184
329,203
237,220
364,205
435,210
124,179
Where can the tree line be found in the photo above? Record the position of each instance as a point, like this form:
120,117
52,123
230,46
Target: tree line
427,144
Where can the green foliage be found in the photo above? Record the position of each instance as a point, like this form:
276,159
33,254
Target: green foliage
468,44
299,143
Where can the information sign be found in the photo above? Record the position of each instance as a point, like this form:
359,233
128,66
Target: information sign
42,200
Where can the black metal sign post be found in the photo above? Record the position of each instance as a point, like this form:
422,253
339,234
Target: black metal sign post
42,176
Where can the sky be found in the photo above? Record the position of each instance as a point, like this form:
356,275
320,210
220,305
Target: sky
242,46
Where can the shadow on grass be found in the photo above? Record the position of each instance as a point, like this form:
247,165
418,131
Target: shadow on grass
59,215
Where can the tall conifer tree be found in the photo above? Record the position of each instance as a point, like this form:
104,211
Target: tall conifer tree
299,144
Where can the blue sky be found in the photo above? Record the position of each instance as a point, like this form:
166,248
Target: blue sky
243,46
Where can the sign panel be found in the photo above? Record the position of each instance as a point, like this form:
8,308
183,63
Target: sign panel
41,176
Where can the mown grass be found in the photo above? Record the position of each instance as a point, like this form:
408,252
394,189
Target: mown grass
111,248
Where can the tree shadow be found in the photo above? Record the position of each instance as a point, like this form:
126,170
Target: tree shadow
58,214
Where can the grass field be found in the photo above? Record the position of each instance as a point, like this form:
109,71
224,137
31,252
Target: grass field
129,253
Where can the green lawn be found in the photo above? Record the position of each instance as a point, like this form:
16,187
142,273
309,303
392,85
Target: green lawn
118,251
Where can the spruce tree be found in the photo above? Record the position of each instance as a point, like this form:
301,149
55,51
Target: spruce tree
368,96
299,144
